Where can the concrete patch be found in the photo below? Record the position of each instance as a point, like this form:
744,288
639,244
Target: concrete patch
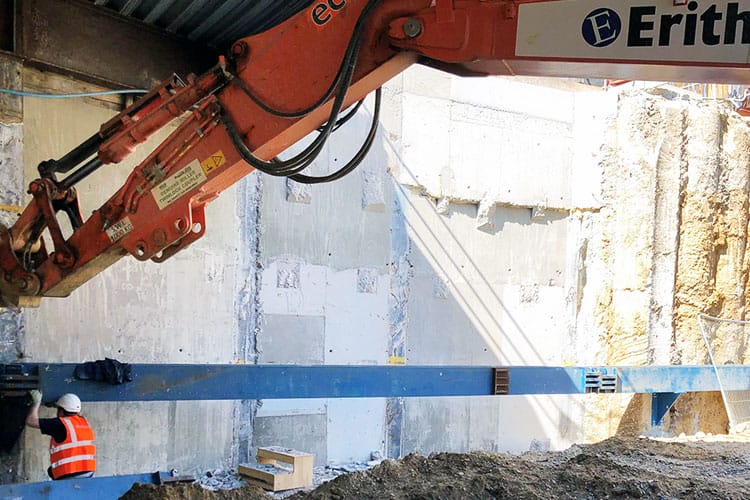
292,339
300,432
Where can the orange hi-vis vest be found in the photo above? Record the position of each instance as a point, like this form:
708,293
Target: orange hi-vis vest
77,453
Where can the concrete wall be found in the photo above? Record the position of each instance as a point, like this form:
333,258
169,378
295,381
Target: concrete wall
324,296
470,257
495,221
11,172
493,176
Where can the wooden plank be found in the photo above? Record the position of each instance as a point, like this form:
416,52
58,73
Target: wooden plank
263,475
266,475
282,454
45,82
274,481
303,471
11,107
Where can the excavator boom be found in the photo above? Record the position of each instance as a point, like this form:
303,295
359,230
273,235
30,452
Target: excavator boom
274,88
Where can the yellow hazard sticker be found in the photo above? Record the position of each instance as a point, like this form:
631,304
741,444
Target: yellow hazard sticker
181,183
213,162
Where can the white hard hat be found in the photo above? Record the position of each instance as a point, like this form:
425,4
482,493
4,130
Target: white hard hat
70,403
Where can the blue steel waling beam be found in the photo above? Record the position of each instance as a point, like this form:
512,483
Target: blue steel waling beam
152,382
169,382
96,488
679,379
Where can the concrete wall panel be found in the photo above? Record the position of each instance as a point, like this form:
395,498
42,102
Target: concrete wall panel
337,227
299,432
292,340
436,424
497,256
465,138
356,318
180,311
361,417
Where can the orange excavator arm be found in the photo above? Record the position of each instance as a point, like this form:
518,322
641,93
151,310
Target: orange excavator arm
274,88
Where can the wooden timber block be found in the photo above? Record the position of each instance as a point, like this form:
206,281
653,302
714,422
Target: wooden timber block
270,476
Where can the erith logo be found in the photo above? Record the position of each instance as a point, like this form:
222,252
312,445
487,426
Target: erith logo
322,12
647,27
601,27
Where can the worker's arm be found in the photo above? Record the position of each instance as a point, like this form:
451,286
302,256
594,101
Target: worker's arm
32,420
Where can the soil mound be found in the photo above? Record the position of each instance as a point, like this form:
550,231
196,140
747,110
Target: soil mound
614,468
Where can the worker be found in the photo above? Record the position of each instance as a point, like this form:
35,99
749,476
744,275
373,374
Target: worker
72,450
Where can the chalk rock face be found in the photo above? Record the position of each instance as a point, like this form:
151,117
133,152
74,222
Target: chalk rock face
671,237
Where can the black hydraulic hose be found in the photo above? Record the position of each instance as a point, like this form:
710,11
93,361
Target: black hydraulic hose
77,155
347,117
356,160
288,114
328,93
81,173
301,161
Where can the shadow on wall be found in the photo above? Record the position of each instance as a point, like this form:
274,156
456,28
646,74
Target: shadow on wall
486,298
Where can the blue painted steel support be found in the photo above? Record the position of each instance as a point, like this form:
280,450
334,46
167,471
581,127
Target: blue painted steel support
661,402
95,488
153,382
169,382
650,379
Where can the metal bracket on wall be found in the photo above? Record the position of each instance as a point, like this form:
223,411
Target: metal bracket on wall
501,377
600,380
18,380
661,402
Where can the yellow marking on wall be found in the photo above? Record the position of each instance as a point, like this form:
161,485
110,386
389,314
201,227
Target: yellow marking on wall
11,208
396,360
213,162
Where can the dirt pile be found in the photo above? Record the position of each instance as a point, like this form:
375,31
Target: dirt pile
614,468
192,491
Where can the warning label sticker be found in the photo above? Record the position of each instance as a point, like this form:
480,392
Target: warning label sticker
171,189
213,162
119,229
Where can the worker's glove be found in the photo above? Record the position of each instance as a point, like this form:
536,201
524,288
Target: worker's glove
36,397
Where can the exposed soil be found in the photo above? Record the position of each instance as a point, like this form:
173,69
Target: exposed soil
614,468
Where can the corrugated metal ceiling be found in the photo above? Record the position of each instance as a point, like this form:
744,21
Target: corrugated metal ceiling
216,23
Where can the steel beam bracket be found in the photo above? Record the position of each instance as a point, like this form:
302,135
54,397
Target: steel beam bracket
661,402
501,381
600,380
15,383
18,380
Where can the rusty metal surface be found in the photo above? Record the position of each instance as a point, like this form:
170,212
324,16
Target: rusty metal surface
79,38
